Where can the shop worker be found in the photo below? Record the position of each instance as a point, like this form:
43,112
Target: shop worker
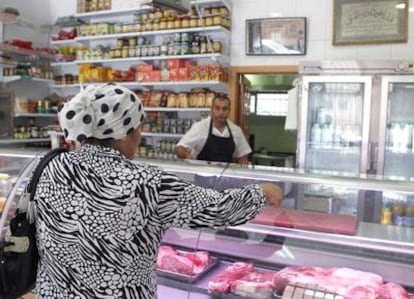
215,138
100,217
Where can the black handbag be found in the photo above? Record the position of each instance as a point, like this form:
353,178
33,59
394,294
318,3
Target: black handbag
18,250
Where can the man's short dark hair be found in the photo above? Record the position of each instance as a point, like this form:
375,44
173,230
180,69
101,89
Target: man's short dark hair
221,96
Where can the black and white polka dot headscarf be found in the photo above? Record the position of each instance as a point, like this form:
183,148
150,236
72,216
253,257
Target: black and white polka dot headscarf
107,111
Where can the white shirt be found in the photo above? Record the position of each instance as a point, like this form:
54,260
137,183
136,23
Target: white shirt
196,137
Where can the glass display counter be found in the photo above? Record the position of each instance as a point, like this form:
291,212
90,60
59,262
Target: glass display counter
332,237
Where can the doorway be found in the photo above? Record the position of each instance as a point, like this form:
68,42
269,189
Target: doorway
260,97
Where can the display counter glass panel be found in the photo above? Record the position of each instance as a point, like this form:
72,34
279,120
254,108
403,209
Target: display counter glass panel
333,235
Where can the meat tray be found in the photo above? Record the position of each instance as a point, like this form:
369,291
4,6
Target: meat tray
188,278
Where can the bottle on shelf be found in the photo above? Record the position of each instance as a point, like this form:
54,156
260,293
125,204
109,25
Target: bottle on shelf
316,136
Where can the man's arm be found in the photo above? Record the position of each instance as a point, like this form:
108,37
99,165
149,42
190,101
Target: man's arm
183,153
244,160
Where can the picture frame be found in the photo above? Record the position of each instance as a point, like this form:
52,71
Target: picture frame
276,36
361,22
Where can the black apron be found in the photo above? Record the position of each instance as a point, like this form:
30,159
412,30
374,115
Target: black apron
217,148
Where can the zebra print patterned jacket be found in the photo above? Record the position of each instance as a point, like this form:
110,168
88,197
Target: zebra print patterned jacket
100,219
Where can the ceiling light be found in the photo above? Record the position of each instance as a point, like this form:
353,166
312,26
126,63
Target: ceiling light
275,14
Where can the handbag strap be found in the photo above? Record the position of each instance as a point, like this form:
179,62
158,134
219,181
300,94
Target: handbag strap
31,187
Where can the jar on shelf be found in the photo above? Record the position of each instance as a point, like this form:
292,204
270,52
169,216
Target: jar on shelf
185,22
137,27
217,20
203,45
155,50
163,24
164,49
170,24
118,28
201,22
156,26
185,48
118,53
193,22
125,52
209,21
131,52
144,50
217,46
132,41
178,23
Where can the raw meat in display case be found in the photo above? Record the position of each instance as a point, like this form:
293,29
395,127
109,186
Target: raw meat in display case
187,266
315,221
257,285
222,282
392,291
242,280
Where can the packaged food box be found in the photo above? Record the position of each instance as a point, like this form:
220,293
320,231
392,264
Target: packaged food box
183,74
193,74
203,72
174,74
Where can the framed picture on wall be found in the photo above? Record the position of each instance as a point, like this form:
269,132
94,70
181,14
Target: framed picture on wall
358,22
276,36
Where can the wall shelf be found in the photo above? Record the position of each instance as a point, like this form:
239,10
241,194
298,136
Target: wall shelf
175,109
170,135
207,29
216,57
23,141
54,115
9,79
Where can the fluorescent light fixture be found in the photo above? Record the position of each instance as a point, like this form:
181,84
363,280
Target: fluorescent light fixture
275,14
400,6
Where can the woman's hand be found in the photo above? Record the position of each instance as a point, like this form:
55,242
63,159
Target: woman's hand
273,193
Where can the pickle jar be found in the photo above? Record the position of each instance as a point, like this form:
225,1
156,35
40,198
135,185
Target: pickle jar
193,22
201,22
185,23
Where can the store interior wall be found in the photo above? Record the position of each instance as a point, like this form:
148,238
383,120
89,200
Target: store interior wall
319,14
269,132
319,31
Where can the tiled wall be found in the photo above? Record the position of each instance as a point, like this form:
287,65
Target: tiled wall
319,14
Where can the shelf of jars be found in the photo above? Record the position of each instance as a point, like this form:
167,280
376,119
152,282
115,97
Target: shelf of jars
9,79
216,57
87,16
205,29
217,85
131,84
20,51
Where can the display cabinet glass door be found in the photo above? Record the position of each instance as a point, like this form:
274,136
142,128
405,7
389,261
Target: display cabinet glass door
334,128
395,150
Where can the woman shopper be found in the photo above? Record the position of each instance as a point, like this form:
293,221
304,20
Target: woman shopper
100,218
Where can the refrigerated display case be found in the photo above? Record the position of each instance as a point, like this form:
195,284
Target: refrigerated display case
356,117
382,244
335,123
395,147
